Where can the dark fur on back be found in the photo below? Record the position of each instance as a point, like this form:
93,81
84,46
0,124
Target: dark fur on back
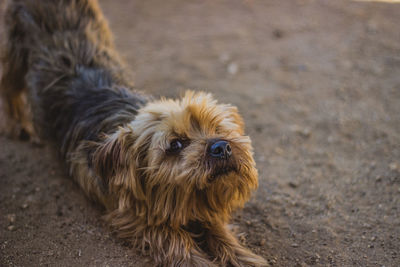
65,56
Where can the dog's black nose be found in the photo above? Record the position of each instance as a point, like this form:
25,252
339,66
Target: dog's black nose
220,149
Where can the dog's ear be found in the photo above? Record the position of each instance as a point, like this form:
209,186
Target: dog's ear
114,156
108,159
117,162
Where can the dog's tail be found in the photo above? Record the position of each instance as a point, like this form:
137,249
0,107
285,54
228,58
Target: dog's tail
49,41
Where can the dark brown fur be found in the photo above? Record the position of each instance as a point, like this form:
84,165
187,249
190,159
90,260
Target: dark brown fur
61,70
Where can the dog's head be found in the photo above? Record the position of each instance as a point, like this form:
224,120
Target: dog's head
186,159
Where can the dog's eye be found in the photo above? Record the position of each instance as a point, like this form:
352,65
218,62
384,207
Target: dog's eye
175,145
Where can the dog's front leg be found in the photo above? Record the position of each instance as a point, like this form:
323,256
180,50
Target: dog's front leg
227,249
173,247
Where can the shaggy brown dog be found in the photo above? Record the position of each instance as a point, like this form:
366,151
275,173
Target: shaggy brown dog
169,172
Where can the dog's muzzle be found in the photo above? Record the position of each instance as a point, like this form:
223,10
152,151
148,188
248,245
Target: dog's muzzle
220,157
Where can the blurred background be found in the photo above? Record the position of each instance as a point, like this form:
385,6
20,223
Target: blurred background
318,84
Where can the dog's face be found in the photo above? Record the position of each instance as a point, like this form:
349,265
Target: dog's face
194,142
192,153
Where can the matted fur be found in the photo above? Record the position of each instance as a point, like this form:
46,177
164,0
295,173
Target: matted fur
172,205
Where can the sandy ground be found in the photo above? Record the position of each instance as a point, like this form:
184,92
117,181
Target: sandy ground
318,83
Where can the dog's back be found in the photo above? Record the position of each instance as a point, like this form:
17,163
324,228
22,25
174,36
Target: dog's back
61,54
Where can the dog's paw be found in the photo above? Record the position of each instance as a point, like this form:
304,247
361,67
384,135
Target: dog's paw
193,259
200,261
239,257
248,258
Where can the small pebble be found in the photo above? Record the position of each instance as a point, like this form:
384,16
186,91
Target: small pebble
279,151
11,218
24,206
295,245
11,228
305,132
233,68
393,166
263,241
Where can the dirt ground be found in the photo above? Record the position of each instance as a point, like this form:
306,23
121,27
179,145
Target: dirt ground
318,84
